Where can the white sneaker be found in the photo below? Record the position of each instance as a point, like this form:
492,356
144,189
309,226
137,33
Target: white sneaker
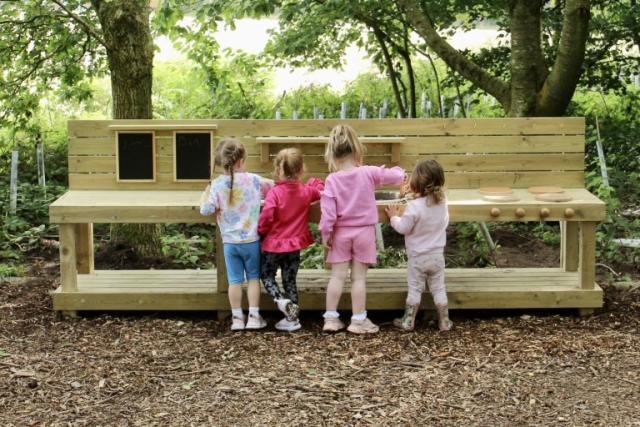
288,325
255,322
288,308
237,323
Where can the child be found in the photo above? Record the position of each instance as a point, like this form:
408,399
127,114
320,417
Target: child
235,198
424,225
347,224
284,228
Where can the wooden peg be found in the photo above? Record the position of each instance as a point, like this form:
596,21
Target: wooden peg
569,213
520,212
495,212
545,212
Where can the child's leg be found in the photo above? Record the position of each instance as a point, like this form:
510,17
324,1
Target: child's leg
358,287
268,270
289,265
252,267
416,278
339,273
439,293
235,274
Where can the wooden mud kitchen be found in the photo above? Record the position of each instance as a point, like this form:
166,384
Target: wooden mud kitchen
154,171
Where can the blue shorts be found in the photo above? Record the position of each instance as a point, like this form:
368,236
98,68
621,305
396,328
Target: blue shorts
242,258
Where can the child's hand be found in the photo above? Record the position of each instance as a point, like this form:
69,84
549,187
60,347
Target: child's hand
405,188
327,243
392,210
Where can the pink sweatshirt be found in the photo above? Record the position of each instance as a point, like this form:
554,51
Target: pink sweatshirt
284,220
424,226
349,199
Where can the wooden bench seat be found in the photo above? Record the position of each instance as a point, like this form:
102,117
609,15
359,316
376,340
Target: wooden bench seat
514,153
473,288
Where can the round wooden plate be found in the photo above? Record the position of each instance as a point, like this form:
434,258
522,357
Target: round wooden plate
553,197
494,190
500,197
541,190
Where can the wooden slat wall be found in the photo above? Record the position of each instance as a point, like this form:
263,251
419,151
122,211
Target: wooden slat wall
474,152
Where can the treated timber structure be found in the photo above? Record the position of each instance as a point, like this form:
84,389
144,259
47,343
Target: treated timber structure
509,152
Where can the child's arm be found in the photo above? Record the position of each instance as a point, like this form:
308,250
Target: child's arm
402,224
208,203
316,185
390,176
266,184
267,214
328,209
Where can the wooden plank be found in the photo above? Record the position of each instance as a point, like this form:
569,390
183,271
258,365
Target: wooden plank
570,245
84,248
368,127
454,144
68,276
587,255
196,290
157,124
184,206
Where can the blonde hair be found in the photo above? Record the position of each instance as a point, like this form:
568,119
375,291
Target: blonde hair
290,163
427,179
226,155
343,142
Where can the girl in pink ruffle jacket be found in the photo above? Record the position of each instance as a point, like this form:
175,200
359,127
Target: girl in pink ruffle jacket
284,228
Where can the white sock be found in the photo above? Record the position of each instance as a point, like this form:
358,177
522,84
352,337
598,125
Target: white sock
359,316
331,314
254,311
236,312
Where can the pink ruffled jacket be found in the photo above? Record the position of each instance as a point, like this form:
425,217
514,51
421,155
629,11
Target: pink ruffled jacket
284,220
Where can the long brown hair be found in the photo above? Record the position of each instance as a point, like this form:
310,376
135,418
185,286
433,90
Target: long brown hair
427,179
227,154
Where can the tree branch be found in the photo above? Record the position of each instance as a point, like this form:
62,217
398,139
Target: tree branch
457,61
79,20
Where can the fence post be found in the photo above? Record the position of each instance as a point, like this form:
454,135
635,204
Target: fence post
40,157
14,182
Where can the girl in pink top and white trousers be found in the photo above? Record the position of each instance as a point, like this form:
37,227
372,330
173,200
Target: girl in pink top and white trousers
284,228
424,225
347,224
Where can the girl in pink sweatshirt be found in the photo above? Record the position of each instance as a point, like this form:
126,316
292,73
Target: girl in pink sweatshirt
347,224
424,225
284,228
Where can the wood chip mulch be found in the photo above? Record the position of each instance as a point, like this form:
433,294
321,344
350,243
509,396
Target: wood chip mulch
496,368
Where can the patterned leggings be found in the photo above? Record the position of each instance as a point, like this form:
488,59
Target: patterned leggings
289,262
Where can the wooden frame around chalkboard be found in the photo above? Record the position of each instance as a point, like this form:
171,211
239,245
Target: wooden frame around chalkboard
141,167
192,158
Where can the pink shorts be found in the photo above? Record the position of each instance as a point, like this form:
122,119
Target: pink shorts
357,243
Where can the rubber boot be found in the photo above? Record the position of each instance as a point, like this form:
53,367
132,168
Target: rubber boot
443,318
408,321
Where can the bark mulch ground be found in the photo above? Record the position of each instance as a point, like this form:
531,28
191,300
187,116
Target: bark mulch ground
496,368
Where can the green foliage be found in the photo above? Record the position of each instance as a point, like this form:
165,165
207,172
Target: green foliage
473,249
186,251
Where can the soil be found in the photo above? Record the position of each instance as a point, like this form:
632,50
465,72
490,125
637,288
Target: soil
495,368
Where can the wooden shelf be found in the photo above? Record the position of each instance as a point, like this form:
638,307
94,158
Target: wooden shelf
158,126
264,142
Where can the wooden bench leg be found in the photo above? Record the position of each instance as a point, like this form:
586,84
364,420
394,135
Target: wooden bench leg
84,248
68,273
586,312
587,255
570,245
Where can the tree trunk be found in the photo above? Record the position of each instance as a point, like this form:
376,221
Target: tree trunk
534,89
129,44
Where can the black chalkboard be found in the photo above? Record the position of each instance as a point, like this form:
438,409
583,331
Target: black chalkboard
136,156
192,155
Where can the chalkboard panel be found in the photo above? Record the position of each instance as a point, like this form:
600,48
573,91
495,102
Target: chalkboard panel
192,155
136,155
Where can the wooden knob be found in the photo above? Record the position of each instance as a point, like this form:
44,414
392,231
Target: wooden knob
495,212
569,213
520,212
545,212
